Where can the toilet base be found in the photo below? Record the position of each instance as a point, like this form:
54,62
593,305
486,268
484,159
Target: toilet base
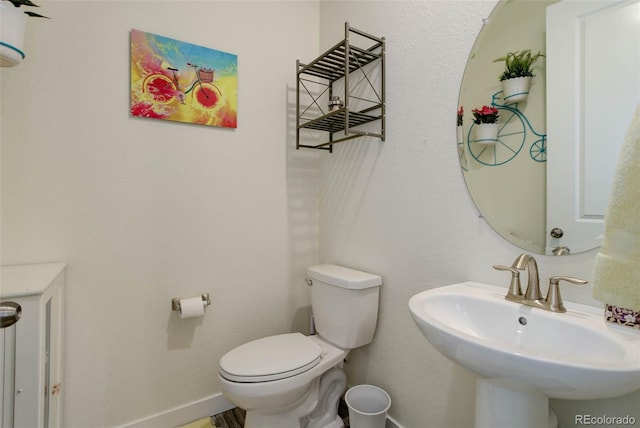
337,423
318,410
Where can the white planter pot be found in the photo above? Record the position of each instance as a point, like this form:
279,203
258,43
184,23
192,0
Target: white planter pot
13,21
486,133
459,135
515,90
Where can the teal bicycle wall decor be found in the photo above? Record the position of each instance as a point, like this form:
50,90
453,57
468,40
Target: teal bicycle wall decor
515,130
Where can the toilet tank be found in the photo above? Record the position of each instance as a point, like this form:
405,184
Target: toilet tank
345,304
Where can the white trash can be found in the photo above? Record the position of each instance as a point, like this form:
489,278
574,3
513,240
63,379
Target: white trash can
368,406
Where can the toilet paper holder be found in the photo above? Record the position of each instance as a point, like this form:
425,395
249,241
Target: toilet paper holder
175,302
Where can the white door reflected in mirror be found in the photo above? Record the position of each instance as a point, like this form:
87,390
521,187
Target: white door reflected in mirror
593,88
593,93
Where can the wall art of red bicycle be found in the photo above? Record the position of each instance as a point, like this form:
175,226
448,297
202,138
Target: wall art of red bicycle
179,81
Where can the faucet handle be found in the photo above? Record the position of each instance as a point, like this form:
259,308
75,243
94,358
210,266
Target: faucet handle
515,290
554,299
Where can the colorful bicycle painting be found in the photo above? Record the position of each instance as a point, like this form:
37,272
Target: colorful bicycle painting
514,131
178,81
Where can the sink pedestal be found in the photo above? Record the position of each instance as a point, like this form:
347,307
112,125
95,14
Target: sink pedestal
500,403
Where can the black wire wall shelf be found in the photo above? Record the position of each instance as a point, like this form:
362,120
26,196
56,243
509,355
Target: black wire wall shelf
356,74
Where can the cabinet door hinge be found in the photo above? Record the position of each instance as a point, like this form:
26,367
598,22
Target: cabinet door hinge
56,389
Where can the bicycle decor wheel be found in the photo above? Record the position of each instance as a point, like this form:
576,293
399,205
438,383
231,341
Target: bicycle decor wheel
207,95
159,88
511,138
538,150
461,150
464,164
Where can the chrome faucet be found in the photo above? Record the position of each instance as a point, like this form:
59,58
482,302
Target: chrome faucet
528,262
532,296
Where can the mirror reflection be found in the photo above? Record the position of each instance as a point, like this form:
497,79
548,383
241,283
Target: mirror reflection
507,173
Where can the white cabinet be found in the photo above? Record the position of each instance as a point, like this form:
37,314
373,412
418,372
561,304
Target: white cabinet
31,350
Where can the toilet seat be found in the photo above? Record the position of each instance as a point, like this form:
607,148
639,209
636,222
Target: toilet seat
270,358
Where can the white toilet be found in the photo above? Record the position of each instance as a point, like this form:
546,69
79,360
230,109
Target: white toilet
295,381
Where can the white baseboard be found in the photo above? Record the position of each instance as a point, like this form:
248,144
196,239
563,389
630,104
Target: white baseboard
184,414
195,410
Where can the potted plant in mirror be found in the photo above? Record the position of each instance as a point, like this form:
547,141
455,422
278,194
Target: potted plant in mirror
459,132
516,78
459,135
13,22
486,125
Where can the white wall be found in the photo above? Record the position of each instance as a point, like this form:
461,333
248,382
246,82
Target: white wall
146,210
400,209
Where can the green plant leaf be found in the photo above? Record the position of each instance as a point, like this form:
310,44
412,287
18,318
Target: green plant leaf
518,64
36,15
18,3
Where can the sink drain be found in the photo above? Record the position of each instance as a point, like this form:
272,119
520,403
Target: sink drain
522,321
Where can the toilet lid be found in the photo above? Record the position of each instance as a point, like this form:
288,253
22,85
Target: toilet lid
270,358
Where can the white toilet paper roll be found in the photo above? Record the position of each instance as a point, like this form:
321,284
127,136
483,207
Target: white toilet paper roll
191,307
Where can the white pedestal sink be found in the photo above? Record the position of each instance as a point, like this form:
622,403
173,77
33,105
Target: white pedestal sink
526,355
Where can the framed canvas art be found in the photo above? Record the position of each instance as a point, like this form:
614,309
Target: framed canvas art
179,81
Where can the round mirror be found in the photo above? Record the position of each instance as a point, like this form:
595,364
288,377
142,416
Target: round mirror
514,169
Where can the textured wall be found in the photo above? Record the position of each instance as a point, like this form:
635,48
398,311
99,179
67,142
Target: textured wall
400,209
144,210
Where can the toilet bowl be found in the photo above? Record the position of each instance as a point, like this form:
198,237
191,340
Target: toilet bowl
295,381
280,385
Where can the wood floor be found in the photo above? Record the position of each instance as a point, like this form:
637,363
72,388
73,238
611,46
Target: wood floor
234,418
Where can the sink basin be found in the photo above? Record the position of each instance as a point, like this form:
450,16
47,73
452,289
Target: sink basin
572,355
